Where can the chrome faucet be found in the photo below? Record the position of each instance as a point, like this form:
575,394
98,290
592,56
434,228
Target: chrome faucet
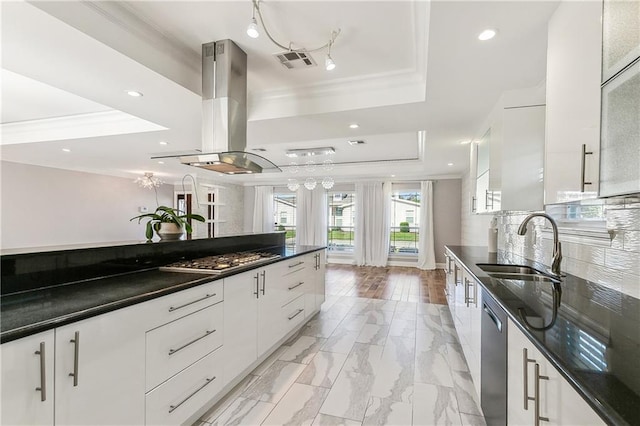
557,250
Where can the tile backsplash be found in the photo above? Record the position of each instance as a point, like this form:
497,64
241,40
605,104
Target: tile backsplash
608,256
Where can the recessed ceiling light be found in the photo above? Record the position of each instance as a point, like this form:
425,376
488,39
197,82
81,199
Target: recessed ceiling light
164,143
160,162
465,142
487,34
66,149
449,164
354,126
134,93
393,175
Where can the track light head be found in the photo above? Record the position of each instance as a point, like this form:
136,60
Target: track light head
252,29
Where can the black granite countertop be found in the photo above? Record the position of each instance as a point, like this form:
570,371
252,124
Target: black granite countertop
29,312
594,342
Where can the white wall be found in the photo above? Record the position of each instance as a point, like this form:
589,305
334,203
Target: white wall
42,206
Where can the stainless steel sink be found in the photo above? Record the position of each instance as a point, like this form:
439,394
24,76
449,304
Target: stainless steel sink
515,272
508,269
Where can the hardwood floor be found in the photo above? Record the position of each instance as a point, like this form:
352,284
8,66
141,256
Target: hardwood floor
390,283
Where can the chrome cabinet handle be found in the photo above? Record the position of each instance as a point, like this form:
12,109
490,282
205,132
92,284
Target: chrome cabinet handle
538,377
171,308
473,204
173,408
257,293
467,294
297,285
43,373
206,333
583,167
76,357
525,377
264,280
296,264
296,314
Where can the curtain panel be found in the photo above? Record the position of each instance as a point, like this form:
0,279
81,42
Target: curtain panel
426,251
372,224
311,217
263,209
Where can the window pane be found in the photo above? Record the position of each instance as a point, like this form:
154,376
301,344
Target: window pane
405,226
285,216
341,218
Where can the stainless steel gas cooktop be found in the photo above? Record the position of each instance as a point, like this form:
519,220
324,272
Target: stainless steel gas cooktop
221,263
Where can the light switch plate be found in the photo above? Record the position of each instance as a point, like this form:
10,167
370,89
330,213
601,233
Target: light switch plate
143,209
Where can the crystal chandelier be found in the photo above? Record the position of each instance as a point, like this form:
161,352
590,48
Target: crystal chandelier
310,167
148,181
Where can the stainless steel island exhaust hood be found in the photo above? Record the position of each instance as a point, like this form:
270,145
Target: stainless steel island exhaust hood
224,114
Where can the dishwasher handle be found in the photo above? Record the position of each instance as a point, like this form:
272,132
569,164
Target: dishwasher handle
493,317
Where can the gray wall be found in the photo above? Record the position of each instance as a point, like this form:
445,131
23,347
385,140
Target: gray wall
43,206
446,215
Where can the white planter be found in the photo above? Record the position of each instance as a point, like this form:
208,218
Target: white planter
170,231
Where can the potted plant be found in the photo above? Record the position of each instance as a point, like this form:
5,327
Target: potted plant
168,223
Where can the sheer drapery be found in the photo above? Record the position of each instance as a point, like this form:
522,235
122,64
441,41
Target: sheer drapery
311,216
373,205
426,251
263,209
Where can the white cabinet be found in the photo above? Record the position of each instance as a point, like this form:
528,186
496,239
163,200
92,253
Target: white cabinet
98,374
270,306
240,322
572,140
555,402
27,380
467,317
316,295
621,36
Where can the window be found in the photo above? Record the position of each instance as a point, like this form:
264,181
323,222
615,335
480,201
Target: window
405,226
285,215
340,222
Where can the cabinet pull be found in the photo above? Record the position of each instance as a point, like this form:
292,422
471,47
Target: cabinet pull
173,408
583,167
296,314
257,293
43,373
473,204
76,357
467,297
264,280
538,377
525,377
297,285
296,264
171,308
206,333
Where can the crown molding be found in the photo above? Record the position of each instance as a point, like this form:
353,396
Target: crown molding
104,123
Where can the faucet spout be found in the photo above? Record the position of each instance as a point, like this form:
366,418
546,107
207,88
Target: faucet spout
557,249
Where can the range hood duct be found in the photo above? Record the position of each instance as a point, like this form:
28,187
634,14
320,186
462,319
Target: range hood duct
224,114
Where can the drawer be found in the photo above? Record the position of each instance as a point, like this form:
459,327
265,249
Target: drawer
174,346
180,397
293,314
169,308
294,265
293,287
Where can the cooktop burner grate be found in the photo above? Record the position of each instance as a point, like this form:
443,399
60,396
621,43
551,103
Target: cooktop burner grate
221,263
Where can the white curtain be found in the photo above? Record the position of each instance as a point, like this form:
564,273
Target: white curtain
311,217
373,212
426,251
263,209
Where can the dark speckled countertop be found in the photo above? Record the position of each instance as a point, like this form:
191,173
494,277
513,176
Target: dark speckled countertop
595,341
28,312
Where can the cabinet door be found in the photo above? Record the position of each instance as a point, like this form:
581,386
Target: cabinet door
27,380
573,102
270,327
519,372
240,322
98,377
621,36
475,335
320,279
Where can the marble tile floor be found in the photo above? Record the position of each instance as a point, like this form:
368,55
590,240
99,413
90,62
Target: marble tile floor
360,361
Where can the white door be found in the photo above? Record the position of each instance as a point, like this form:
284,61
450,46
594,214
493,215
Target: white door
99,377
27,380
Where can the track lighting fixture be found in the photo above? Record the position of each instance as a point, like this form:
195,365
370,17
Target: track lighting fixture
302,53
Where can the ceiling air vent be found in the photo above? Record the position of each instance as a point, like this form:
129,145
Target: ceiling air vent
356,142
295,60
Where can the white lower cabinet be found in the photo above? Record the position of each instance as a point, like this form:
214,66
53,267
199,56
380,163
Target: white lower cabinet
240,323
555,402
99,377
319,272
175,401
27,380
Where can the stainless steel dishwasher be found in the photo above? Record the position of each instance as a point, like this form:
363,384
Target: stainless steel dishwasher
493,372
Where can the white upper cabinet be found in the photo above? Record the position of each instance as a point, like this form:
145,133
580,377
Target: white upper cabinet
621,36
572,142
